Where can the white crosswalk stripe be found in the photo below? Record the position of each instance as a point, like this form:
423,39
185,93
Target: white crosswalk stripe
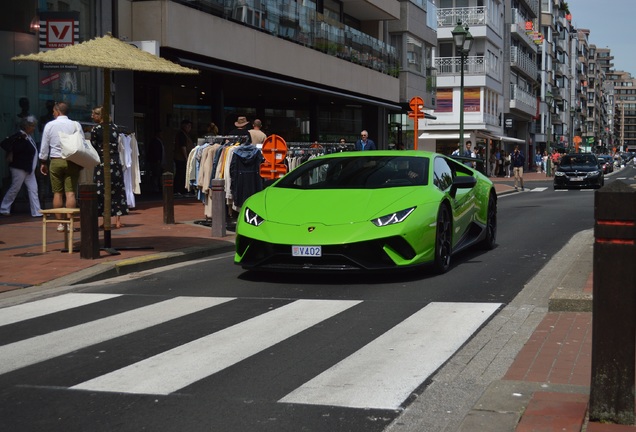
538,189
51,305
39,348
385,372
170,371
380,375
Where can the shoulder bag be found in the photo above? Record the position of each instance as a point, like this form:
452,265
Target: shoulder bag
77,149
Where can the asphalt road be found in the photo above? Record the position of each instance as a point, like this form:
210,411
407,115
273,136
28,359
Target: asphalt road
205,346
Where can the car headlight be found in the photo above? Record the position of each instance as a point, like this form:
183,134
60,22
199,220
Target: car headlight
559,173
252,218
594,174
393,218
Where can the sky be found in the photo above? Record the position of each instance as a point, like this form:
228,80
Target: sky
609,22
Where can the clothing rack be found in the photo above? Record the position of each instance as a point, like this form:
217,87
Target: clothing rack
225,139
318,148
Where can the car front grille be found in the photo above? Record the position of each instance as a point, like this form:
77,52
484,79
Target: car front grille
367,255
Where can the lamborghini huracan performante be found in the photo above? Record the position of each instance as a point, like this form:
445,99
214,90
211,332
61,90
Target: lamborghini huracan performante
368,210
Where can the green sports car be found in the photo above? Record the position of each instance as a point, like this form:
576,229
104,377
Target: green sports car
371,210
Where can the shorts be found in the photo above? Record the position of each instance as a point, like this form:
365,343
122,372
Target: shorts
64,175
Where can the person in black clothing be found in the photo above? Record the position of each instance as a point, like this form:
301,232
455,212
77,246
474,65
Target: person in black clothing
241,129
517,160
23,160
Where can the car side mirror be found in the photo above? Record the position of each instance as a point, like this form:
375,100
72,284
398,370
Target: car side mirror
462,182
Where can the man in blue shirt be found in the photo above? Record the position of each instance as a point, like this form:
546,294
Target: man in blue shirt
364,143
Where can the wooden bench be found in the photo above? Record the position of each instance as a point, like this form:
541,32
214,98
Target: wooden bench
68,218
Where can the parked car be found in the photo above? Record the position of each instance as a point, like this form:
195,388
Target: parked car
606,162
366,211
579,170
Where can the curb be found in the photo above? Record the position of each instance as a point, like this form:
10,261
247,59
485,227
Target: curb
112,269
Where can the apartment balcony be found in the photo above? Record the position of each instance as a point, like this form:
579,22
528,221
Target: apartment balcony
522,100
563,45
562,69
473,65
560,93
473,16
518,28
523,62
532,5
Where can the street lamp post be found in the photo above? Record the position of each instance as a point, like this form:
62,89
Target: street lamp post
463,42
548,166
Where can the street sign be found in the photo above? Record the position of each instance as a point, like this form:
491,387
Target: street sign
274,151
416,104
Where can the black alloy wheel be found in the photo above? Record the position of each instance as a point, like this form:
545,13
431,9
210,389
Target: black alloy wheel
443,240
490,241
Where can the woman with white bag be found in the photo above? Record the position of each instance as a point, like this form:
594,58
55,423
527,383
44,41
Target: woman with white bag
118,203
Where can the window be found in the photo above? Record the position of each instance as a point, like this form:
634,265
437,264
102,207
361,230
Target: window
442,174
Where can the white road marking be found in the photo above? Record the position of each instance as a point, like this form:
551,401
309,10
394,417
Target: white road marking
47,306
384,373
172,370
39,348
539,189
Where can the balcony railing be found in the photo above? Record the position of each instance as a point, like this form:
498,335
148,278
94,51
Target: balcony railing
533,5
449,17
518,26
303,25
452,65
523,61
519,95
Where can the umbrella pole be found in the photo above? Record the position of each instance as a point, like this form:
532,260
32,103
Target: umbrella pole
106,147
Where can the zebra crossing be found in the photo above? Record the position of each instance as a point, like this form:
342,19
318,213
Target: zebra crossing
380,374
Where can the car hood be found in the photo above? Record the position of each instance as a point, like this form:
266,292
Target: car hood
580,168
331,207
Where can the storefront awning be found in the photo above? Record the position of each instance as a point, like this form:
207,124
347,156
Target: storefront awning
448,136
288,83
511,139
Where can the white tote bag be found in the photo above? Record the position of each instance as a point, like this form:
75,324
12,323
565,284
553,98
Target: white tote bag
77,149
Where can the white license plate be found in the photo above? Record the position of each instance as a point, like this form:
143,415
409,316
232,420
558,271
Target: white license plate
577,179
307,251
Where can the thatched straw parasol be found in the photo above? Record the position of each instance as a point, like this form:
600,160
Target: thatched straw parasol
108,53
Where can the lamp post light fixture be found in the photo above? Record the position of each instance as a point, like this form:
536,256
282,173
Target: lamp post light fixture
463,42
549,98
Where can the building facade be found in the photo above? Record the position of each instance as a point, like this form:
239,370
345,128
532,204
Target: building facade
311,71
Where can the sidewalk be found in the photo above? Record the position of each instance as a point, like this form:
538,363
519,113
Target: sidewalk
553,367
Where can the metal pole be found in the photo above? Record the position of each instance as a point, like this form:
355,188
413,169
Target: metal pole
548,165
461,102
106,147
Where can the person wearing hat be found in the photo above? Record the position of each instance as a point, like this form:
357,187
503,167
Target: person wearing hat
182,147
241,128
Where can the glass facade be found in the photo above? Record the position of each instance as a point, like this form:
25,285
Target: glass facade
27,27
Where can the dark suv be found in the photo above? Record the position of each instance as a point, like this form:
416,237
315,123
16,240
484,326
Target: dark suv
578,170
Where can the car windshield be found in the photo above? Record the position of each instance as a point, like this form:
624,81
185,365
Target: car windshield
358,172
579,160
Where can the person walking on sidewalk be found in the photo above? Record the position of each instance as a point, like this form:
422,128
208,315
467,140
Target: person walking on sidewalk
64,174
517,160
22,166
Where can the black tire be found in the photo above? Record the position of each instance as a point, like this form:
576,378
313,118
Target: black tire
443,240
490,241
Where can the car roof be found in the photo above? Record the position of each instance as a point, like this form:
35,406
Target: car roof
375,153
